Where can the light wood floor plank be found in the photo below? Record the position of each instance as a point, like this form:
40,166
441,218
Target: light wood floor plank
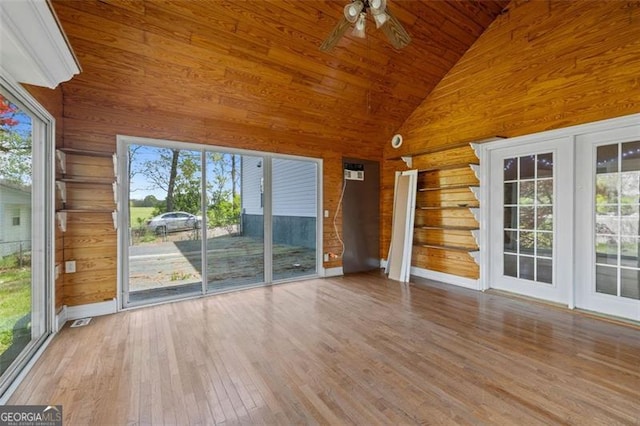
358,349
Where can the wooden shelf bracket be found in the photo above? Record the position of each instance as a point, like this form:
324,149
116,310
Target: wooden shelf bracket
62,221
62,160
62,189
115,165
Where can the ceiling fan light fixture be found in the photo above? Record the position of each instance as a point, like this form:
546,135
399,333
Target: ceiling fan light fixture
377,6
380,19
352,11
359,27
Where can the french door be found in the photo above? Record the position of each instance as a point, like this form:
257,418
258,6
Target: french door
531,210
608,211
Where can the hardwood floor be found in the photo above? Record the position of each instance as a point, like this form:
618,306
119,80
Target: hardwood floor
357,349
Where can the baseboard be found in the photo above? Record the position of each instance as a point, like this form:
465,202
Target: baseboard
333,272
446,278
61,318
92,310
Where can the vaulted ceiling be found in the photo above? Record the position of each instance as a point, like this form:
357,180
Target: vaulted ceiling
255,65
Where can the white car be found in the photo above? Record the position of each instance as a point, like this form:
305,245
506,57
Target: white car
174,221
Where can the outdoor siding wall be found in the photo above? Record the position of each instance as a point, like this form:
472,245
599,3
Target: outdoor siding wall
294,201
13,238
294,188
251,182
541,66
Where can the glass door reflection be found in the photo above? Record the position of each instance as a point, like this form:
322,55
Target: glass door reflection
294,218
235,221
617,224
165,247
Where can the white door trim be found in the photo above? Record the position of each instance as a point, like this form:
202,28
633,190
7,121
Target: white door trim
484,151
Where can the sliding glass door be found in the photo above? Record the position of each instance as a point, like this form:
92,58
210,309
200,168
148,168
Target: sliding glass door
235,221
165,238
294,219
196,220
25,208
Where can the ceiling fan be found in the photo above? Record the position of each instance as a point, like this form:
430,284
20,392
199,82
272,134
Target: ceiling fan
356,13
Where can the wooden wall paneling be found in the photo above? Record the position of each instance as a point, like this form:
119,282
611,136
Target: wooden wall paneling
447,197
89,287
539,66
90,240
448,178
454,262
459,157
431,236
563,49
332,187
446,218
243,75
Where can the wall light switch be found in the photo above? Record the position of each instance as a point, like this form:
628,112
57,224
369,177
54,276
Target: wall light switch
326,213
70,266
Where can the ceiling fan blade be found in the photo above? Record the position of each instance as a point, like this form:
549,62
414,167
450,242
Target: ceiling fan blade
395,32
335,35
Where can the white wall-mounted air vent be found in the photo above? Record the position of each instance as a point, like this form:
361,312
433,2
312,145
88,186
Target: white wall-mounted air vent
354,174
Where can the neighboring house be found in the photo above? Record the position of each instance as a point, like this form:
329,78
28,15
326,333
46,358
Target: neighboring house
294,200
15,218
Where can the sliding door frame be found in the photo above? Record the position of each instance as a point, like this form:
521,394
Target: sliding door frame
42,231
123,142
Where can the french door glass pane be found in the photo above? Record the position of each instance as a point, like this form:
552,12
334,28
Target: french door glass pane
294,186
528,217
617,222
16,288
165,223
235,221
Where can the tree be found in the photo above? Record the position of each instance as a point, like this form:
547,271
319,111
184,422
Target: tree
186,195
133,164
8,112
233,180
162,172
149,201
15,145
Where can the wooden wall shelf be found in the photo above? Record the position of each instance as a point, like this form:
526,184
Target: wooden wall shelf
446,210
85,153
451,248
86,180
86,168
440,188
447,167
450,228
465,207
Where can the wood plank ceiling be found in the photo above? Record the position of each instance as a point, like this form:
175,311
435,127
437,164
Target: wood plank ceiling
254,66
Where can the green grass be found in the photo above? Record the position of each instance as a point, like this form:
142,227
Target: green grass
15,302
139,213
